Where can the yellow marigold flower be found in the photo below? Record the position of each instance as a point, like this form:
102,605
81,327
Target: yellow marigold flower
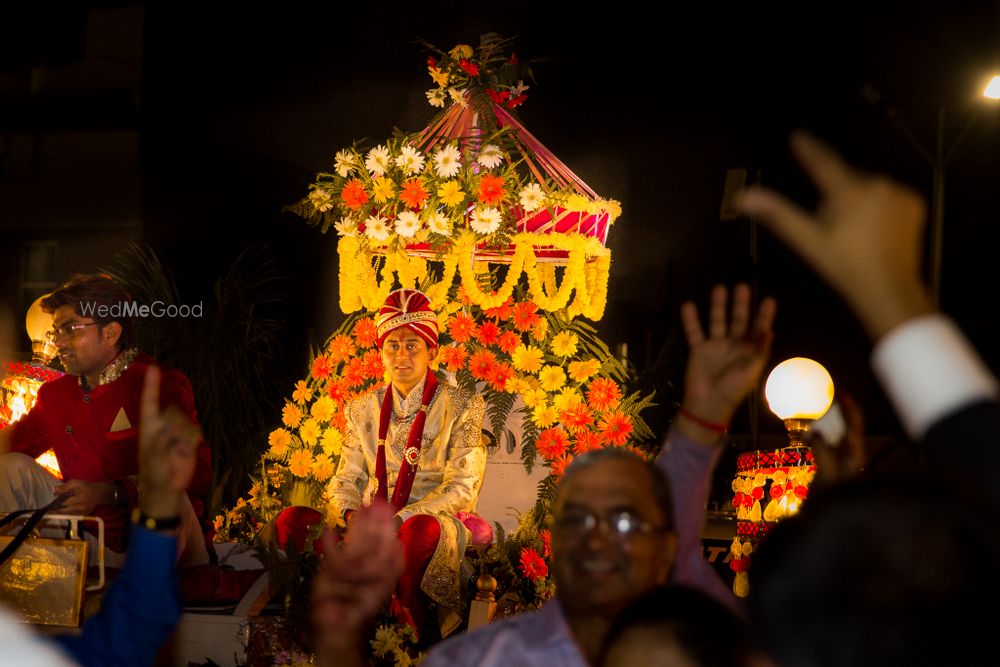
614,209
461,51
581,371
440,78
279,440
576,202
383,190
309,432
544,415
301,463
552,378
291,415
451,193
566,399
564,344
302,392
534,397
332,441
322,467
517,385
323,409
526,358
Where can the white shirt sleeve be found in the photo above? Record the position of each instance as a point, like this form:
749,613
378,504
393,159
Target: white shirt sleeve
23,648
929,369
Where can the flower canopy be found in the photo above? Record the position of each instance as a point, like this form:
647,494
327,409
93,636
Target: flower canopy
474,187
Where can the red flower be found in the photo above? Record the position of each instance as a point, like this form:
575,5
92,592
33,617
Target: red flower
353,194
517,101
365,332
546,542
603,394
558,466
532,565
498,98
489,333
576,418
471,68
432,61
525,315
413,195
508,341
501,312
461,327
340,348
454,356
321,367
586,441
354,374
372,365
615,428
501,373
482,364
339,421
552,443
490,189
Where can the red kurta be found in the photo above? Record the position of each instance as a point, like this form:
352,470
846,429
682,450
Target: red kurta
95,434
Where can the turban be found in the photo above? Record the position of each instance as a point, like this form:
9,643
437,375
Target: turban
411,309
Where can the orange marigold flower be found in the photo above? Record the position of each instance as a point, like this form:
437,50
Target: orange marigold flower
482,364
354,373
337,390
321,367
372,364
586,441
353,195
454,356
461,327
503,311
365,332
413,195
532,565
500,375
552,443
489,333
291,415
581,371
615,428
525,314
558,466
340,348
339,421
301,463
604,394
490,189
508,342
576,418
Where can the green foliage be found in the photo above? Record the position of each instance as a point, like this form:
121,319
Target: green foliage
498,407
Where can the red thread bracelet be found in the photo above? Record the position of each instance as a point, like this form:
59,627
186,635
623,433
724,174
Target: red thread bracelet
700,421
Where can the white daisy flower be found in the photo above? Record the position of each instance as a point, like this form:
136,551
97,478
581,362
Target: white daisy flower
485,220
320,200
378,160
446,162
458,97
436,97
407,224
375,228
490,156
344,163
345,227
532,197
410,160
438,223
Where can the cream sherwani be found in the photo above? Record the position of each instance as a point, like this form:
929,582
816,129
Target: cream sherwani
449,474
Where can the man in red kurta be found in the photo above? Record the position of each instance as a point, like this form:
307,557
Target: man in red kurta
90,419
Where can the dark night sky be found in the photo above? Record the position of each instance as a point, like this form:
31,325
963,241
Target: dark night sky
649,105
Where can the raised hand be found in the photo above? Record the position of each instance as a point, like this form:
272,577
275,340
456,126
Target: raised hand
864,239
355,579
724,364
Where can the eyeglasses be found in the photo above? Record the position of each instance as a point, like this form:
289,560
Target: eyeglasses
68,330
620,524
